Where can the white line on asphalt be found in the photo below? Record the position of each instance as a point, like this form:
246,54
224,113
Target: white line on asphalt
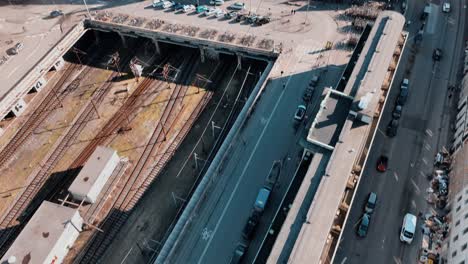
344,260
429,132
427,146
418,191
413,204
247,164
395,175
424,161
422,173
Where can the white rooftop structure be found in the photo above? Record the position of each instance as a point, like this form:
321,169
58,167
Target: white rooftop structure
94,174
47,236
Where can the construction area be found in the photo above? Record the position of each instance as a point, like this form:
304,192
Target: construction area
146,119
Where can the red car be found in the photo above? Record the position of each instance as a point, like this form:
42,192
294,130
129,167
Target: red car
382,163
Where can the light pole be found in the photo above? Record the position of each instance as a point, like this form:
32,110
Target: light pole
87,10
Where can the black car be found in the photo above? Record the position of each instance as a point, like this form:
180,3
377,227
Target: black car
437,54
239,253
249,228
392,128
402,97
178,6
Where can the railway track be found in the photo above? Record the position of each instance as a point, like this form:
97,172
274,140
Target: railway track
49,103
129,195
26,204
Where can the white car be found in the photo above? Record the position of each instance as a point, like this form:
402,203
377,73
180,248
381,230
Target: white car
188,8
220,13
211,11
216,2
408,228
446,7
237,6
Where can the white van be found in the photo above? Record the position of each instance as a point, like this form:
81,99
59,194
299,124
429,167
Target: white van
408,229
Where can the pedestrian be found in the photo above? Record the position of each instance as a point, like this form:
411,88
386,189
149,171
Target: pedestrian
292,11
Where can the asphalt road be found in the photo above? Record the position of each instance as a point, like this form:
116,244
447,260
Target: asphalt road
423,130
268,136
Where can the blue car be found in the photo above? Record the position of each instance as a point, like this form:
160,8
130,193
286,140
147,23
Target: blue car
364,225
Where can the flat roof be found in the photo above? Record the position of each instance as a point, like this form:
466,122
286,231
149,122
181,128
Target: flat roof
41,233
329,121
91,171
309,244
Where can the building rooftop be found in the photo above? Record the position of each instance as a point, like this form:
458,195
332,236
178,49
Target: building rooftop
329,121
40,235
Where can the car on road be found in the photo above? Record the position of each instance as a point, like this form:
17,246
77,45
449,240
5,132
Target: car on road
239,253
262,20
56,13
404,84
237,6
300,113
403,97
363,225
437,54
382,163
216,2
308,94
408,228
201,9
397,111
446,7
371,203
392,128
249,228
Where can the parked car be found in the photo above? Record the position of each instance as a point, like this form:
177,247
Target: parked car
437,54
239,253
261,20
201,9
446,7
240,17
300,113
402,97
178,7
230,15
220,13
252,18
188,8
309,92
392,128
249,228
363,225
15,49
382,163
371,203
408,228
56,13
167,4
404,84
216,2
237,6
397,111
211,11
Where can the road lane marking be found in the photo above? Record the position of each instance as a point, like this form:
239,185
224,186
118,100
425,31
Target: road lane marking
416,187
427,146
344,260
424,161
248,162
395,175
397,260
